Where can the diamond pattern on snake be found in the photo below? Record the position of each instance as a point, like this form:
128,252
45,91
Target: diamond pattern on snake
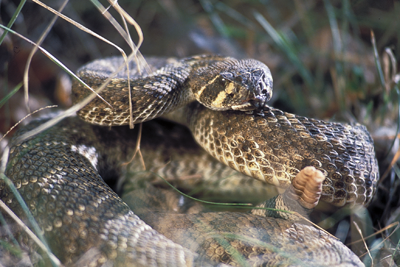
237,141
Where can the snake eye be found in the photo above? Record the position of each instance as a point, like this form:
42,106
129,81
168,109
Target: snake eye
227,76
230,88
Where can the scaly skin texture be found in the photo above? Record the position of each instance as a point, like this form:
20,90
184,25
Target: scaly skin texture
59,172
274,146
265,143
253,239
262,238
219,83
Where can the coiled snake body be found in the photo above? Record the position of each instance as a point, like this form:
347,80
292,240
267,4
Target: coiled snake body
59,172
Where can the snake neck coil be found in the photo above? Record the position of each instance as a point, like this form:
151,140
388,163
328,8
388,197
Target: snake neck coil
219,83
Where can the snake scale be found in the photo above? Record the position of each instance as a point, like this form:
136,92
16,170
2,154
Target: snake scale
60,172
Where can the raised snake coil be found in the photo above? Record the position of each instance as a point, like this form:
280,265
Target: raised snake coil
78,210
263,142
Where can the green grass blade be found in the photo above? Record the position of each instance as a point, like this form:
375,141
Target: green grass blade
10,94
377,60
286,47
14,17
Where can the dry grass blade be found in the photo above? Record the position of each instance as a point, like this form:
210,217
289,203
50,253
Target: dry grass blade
287,38
365,244
83,28
137,151
389,168
131,21
50,56
390,75
317,226
29,233
40,241
80,26
35,48
71,111
92,255
378,232
57,62
389,62
54,260
21,120
135,51
125,34
380,244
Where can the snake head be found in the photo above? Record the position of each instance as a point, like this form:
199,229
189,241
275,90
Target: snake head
255,85
261,87
235,85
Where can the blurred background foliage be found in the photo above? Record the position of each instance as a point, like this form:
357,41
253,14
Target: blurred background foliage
319,52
